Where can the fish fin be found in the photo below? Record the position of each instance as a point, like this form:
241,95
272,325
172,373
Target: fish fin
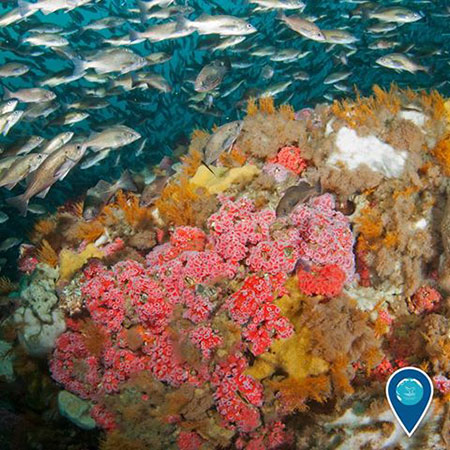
43,193
209,168
24,7
78,66
10,186
429,69
63,169
7,94
126,182
134,35
281,15
182,23
142,11
20,202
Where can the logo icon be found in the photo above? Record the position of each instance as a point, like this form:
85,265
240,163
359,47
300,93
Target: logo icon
409,392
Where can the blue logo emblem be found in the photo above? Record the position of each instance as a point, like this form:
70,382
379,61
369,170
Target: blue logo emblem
409,392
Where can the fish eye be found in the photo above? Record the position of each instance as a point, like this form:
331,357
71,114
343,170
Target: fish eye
78,147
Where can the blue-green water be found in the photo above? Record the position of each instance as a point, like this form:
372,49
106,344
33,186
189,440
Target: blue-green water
166,119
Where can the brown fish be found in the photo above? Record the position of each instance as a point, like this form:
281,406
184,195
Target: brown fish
153,190
221,141
294,195
211,76
55,167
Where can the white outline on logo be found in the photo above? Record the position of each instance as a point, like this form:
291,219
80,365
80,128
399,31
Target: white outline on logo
426,407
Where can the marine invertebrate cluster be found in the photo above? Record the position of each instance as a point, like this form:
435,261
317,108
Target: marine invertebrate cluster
211,320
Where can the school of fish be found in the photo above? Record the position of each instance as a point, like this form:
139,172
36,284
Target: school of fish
76,91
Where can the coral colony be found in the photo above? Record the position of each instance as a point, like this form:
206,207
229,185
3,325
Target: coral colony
206,320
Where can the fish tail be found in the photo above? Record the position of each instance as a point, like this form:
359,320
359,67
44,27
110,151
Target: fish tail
126,182
134,36
142,12
281,15
7,94
24,7
183,23
79,66
20,203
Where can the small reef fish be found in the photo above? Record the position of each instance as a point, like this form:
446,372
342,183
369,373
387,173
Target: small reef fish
221,141
55,167
162,32
3,217
399,61
339,37
336,76
20,169
266,5
211,76
35,208
112,138
99,195
275,89
38,110
395,14
9,243
95,159
8,120
294,195
153,190
6,162
24,146
302,26
31,95
8,106
13,69
70,118
57,142
218,24
122,60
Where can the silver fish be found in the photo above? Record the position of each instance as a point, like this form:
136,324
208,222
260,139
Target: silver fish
20,169
395,14
57,142
336,76
36,208
9,243
55,167
24,146
266,5
95,159
219,24
50,40
302,26
339,37
30,95
399,62
8,106
112,138
13,69
8,120
162,32
3,217
121,60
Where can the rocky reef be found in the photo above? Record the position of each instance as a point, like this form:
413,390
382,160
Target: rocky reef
259,302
